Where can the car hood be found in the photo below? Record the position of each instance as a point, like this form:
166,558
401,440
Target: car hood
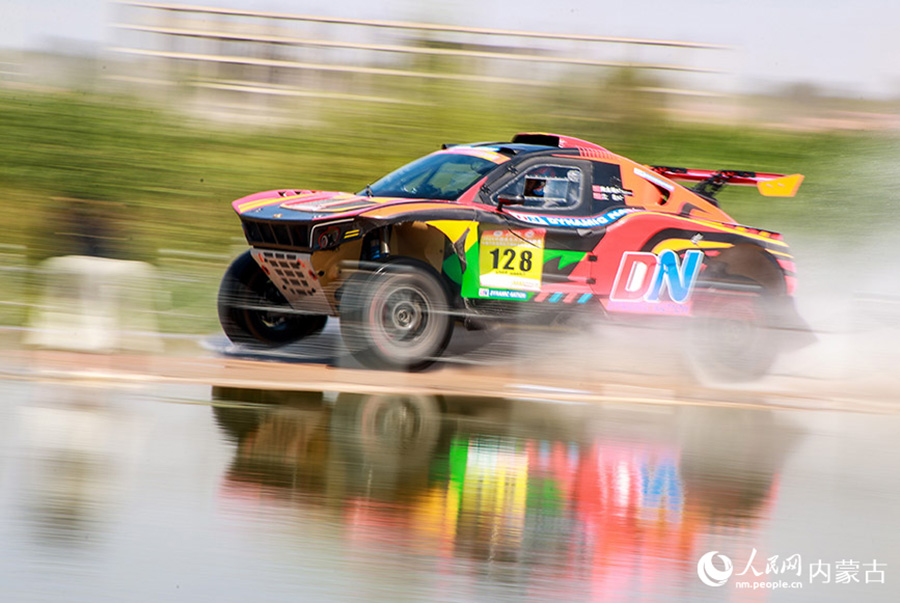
283,203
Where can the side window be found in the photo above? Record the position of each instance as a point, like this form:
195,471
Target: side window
547,187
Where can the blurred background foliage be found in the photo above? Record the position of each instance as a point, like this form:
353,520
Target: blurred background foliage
127,177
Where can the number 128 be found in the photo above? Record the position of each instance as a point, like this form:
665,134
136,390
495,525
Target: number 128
508,259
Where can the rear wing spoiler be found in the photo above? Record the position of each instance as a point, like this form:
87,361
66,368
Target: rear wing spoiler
709,182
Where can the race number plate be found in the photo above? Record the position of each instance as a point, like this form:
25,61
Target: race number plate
512,259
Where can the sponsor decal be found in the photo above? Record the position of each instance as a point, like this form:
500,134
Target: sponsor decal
502,294
512,259
645,277
571,222
611,193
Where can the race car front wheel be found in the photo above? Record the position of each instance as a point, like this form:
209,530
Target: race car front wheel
253,311
397,317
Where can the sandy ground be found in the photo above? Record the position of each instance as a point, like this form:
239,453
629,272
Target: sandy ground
586,369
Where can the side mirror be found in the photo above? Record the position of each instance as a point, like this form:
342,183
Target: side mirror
504,200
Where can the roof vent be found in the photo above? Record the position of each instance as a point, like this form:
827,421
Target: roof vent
560,142
544,140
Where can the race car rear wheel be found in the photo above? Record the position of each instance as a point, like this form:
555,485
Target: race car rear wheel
397,317
253,311
731,338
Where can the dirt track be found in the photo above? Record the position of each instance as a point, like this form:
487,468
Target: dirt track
189,363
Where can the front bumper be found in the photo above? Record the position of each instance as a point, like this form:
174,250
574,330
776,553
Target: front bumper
294,276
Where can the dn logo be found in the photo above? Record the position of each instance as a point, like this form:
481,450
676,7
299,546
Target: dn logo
643,276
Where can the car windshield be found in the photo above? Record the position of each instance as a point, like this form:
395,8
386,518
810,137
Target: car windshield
440,175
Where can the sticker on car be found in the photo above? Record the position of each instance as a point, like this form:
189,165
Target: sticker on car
512,259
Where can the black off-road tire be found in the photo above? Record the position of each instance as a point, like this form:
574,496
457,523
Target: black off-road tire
397,317
253,311
731,339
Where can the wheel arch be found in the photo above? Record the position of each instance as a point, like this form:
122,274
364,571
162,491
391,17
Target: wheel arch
441,244
748,261
420,241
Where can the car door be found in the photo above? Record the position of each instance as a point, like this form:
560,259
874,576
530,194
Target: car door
541,241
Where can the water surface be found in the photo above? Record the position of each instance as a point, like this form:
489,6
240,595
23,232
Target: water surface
222,494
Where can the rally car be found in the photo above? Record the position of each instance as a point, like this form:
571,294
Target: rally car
540,226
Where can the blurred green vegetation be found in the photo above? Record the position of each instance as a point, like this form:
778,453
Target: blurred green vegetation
118,176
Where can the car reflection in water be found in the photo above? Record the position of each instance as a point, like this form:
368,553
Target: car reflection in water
571,500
